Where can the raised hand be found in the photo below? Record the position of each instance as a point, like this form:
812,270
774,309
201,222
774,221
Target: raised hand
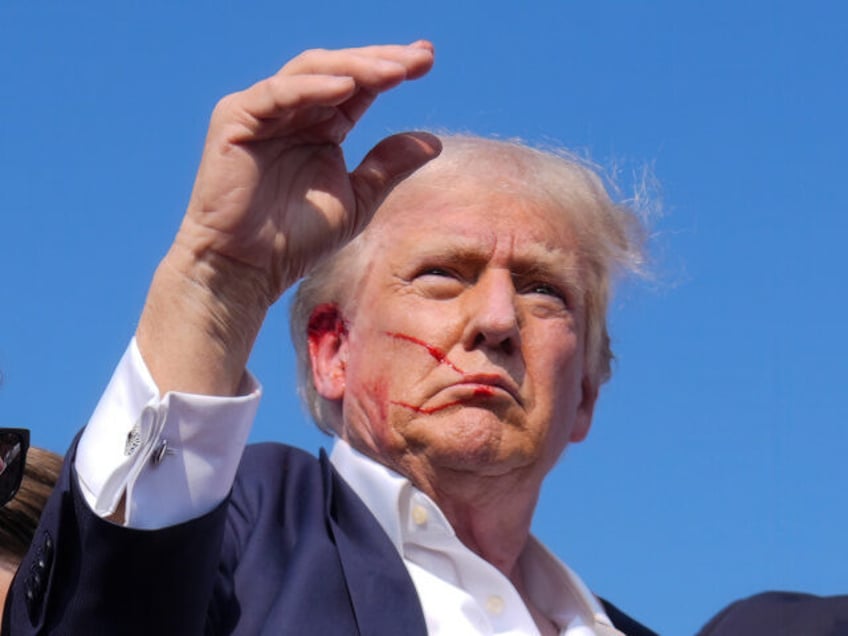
273,191
272,197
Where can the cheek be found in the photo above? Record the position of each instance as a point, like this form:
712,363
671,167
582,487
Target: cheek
375,394
558,374
368,381
373,375
365,413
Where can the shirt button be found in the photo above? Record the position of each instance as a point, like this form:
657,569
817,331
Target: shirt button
494,604
419,514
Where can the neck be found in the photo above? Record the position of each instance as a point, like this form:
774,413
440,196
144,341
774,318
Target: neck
490,515
493,520
490,512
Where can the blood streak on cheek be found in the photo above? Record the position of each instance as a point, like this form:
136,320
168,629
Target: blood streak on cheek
440,356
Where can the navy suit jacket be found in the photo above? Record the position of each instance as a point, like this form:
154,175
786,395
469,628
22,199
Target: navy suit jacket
292,551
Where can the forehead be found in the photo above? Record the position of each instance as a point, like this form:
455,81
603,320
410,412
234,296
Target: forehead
469,215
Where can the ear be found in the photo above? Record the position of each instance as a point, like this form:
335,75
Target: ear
328,350
583,421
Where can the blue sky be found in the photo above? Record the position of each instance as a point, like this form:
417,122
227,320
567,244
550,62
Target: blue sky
715,467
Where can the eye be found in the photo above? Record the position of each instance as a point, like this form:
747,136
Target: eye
438,282
546,289
436,271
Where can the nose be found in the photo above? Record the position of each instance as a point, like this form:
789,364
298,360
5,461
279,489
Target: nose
492,318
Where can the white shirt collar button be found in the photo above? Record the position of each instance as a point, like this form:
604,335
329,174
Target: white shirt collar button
419,515
495,605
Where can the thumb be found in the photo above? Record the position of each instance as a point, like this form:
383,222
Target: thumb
385,166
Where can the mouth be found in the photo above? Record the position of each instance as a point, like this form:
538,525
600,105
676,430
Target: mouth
476,387
490,384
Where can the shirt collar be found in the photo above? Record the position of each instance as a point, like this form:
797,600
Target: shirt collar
554,587
381,489
547,577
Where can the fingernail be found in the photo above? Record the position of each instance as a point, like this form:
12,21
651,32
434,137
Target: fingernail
422,44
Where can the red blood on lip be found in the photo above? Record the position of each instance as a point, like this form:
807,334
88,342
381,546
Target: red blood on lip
480,391
427,411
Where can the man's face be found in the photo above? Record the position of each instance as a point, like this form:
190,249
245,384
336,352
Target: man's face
464,349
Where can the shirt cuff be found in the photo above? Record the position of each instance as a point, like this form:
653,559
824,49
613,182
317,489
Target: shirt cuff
174,458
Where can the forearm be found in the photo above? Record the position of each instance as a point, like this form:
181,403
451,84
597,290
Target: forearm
199,322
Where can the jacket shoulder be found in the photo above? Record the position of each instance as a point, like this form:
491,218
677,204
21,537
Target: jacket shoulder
270,477
625,623
781,614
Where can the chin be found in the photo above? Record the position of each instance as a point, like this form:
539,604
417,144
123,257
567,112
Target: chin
477,442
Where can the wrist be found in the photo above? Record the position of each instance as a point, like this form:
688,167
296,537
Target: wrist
199,323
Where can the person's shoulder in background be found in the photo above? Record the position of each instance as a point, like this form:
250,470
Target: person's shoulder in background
781,614
19,516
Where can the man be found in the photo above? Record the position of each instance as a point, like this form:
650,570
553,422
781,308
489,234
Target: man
455,348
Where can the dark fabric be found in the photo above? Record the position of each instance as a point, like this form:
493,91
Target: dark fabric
781,614
292,551
97,571
624,623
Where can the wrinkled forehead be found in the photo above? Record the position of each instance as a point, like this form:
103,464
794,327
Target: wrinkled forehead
465,223
474,207
482,227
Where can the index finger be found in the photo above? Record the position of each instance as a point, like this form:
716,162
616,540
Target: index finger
369,66
348,80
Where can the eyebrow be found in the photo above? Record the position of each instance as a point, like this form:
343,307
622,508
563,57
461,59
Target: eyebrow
568,275
556,264
463,251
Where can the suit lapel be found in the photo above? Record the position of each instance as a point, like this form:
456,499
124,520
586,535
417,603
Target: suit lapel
381,592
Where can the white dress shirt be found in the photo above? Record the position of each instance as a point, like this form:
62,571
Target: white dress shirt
175,458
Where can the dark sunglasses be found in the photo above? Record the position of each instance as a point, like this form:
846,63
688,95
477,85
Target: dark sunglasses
14,444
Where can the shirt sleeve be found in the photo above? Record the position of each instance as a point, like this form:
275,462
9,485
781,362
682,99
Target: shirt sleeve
174,458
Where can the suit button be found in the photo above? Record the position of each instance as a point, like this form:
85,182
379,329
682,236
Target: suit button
31,605
36,580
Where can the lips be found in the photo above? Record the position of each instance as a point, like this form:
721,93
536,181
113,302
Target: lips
492,381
